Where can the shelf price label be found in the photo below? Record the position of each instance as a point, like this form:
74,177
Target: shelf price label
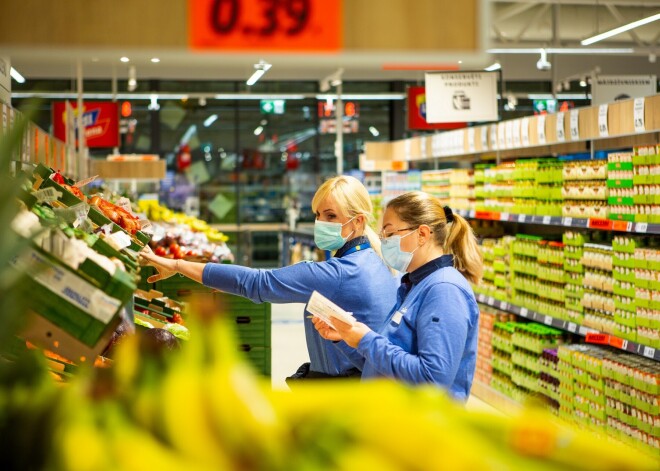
561,137
524,132
603,130
484,138
471,144
572,327
624,226
649,352
573,124
255,25
602,339
638,115
547,320
540,128
504,216
641,227
521,218
481,298
504,306
547,219
567,221
524,312
491,301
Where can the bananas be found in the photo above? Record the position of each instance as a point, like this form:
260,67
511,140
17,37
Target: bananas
202,409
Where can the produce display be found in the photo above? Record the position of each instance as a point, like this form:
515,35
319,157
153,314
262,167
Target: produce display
454,187
226,418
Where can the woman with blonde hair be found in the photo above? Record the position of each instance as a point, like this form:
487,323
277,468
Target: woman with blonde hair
355,276
431,332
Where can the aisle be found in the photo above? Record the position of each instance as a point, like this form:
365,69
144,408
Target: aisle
290,351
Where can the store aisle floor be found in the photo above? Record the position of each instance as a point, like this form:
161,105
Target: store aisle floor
289,349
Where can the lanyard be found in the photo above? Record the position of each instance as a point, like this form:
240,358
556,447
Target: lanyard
358,247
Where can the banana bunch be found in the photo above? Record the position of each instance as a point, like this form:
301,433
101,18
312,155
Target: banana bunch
202,408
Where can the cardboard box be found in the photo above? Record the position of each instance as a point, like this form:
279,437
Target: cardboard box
127,170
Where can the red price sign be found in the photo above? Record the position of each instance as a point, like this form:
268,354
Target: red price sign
602,339
265,25
603,224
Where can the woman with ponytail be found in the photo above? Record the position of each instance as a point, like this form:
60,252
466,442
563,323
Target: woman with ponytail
355,276
431,332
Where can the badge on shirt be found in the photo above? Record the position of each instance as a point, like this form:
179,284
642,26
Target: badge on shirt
396,318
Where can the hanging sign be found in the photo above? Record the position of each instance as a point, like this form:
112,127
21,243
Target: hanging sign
258,26
461,96
611,88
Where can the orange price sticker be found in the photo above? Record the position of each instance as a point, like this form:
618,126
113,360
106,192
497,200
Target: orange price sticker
265,25
398,165
487,215
617,342
622,226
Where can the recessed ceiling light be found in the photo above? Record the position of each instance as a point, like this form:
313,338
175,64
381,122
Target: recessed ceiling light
460,62
155,60
124,59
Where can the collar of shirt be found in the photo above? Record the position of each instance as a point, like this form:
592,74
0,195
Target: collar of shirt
425,270
361,240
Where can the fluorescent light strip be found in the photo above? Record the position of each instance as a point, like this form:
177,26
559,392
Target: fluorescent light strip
16,76
210,120
562,50
192,130
255,77
560,96
493,67
218,96
620,29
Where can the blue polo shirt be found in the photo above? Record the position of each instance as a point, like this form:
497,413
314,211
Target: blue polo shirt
356,279
431,333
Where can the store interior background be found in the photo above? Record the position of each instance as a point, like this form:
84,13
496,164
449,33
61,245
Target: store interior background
262,162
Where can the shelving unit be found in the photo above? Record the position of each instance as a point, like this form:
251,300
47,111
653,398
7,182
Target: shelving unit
579,223
591,335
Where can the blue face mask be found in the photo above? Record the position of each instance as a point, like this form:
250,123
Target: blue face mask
327,235
393,255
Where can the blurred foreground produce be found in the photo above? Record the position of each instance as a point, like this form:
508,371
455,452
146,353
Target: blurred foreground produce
202,408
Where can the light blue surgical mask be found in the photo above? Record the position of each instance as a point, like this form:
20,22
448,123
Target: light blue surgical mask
327,235
393,255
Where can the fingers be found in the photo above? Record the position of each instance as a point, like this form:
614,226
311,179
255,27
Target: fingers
154,278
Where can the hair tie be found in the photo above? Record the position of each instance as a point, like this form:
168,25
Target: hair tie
449,215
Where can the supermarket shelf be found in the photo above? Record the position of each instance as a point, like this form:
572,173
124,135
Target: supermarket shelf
581,223
495,398
592,335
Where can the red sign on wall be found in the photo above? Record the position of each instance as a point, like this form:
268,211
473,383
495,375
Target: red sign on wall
417,112
258,25
101,120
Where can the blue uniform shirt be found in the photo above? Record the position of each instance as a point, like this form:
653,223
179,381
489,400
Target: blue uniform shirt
357,280
431,333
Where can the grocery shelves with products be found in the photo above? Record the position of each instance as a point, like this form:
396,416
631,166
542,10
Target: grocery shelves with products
591,335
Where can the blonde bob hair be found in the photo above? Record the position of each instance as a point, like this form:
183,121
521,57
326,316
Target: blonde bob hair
352,200
456,237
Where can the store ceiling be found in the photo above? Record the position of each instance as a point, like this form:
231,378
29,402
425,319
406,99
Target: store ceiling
514,24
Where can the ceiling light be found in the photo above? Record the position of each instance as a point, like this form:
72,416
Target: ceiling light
202,101
620,29
132,79
374,132
543,63
16,76
583,82
124,59
260,69
153,103
210,120
460,62
493,67
567,85
192,130
258,130
155,60
562,50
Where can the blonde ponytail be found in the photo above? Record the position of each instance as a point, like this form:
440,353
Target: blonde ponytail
462,244
450,231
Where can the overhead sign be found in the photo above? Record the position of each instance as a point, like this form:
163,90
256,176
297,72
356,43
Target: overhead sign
257,25
100,118
417,112
611,88
272,106
461,96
